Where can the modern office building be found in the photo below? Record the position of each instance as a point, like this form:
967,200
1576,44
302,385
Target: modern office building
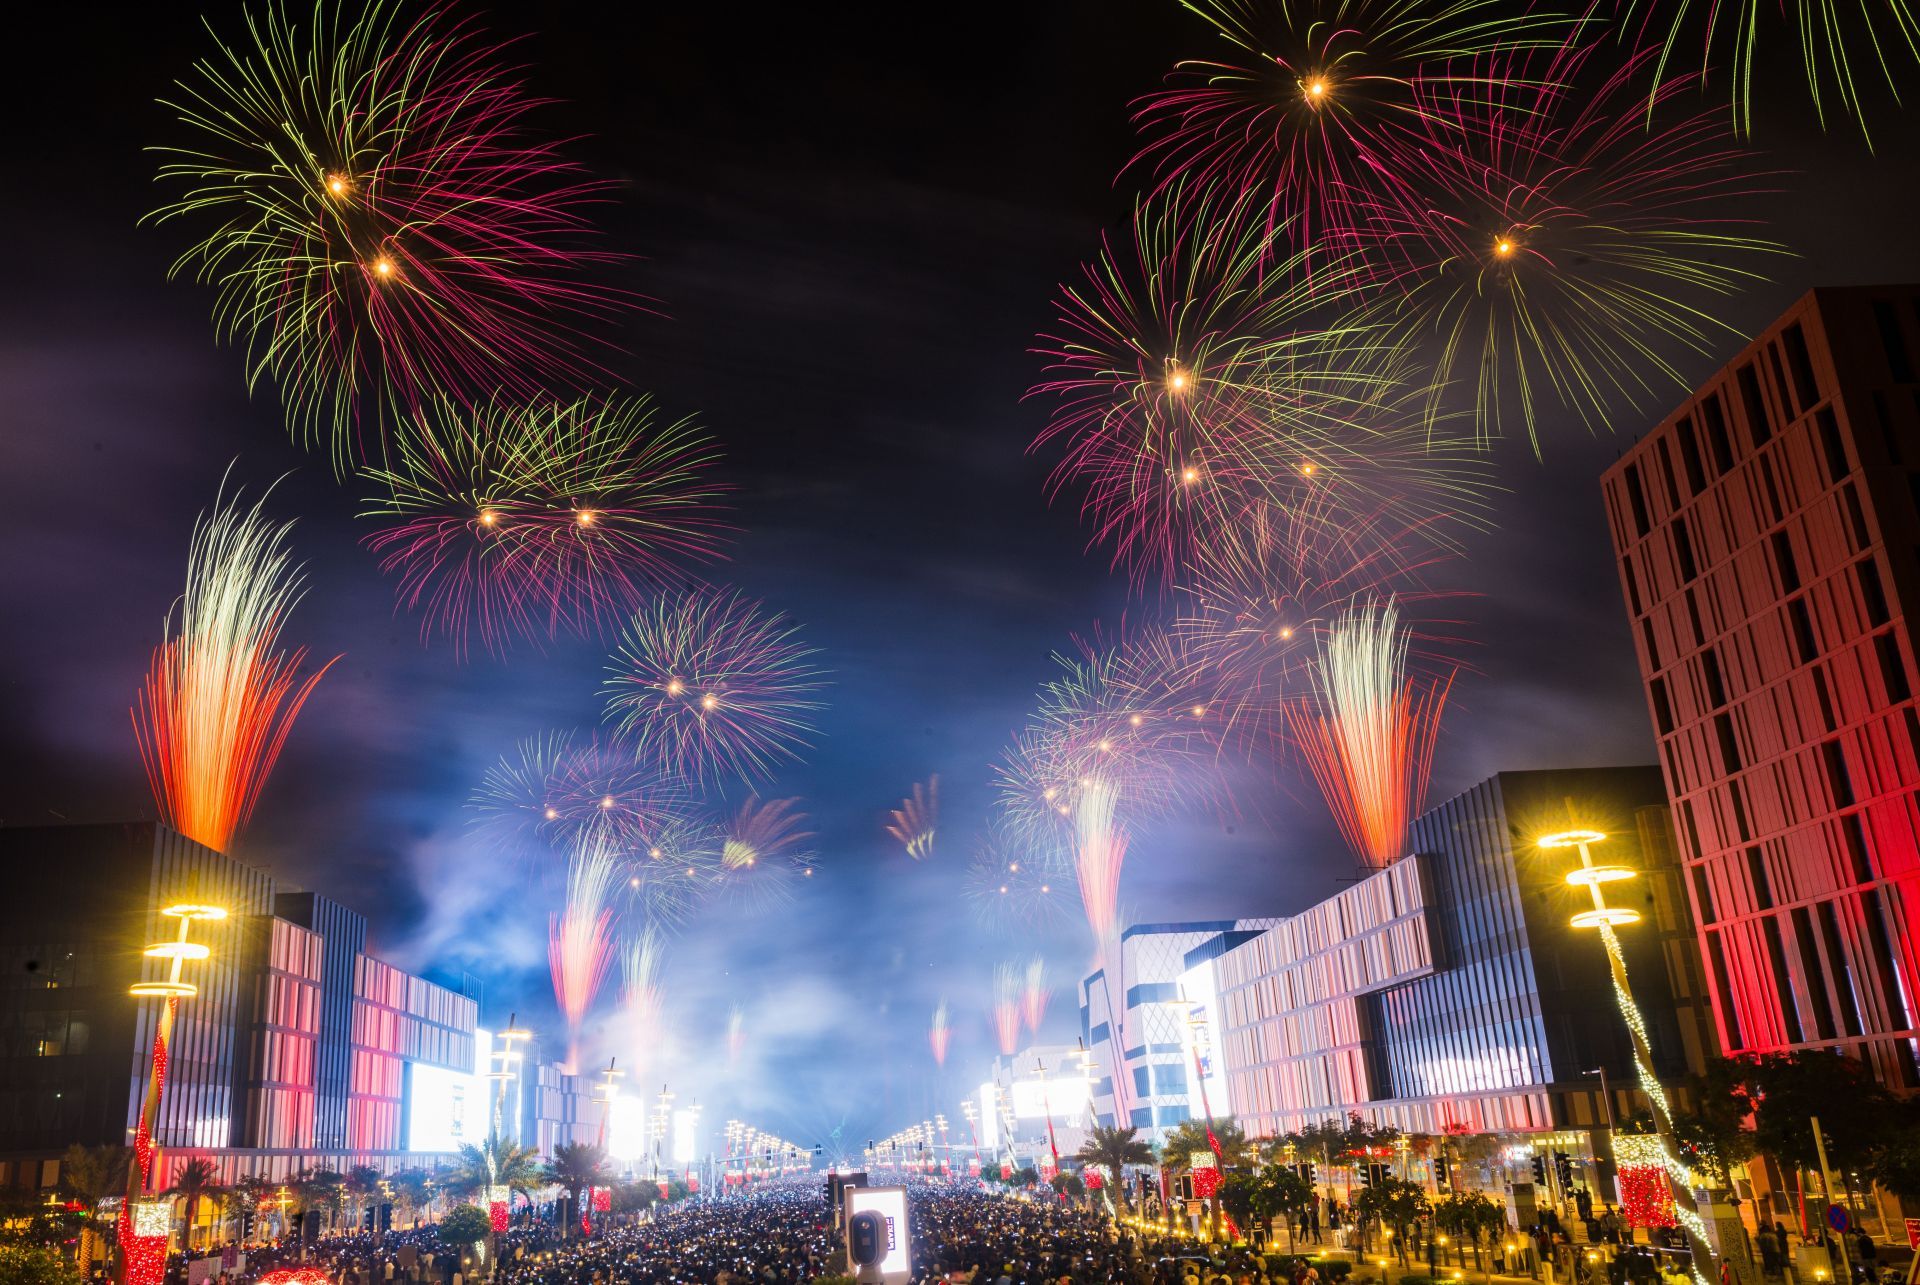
1138,1022
1449,992
1036,1101
300,1050
1767,535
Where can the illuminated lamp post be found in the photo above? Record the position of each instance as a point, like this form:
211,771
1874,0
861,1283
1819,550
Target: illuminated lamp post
144,1225
971,1114
1595,878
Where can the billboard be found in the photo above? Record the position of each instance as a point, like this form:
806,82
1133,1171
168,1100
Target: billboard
1063,1097
447,1108
1206,1076
891,1204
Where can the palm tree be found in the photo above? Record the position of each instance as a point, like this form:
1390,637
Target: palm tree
1224,1138
497,1162
91,1175
1115,1148
193,1182
255,1195
577,1166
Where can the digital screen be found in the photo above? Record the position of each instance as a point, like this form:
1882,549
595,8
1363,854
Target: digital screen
1060,1096
445,1109
891,1204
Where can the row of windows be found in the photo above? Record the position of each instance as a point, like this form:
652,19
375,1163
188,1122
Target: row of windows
56,1032
47,966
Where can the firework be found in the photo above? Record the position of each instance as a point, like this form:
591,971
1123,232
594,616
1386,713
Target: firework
1370,742
736,1034
708,685
641,994
669,876
764,852
1006,1007
940,1034
1254,612
554,785
534,520
1016,885
219,700
1189,386
1883,36
1035,994
913,822
580,938
381,227
1317,100
1552,261
1100,850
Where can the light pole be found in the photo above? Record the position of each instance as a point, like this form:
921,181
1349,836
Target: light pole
142,1224
1594,878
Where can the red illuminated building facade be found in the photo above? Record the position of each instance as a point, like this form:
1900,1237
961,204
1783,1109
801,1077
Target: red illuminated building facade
1768,534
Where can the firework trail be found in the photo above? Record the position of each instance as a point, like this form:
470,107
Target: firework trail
1017,886
913,822
709,685
736,1034
1370,742
1036,993
380,226
641,995
219,700
1551,260
672,875
531,521
1188,386
764,853
940,1035
1316,100
1100,851
1832,39
1006,1007
579,938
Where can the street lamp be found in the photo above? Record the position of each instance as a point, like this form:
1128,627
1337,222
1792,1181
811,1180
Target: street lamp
142,1262
1595,878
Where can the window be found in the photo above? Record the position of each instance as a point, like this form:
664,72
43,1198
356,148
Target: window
1853,837
1666,472
1169,1078
1825,698
1893,670
1805,390
1689,440
1873,594
1839,970
1759,424
1716,685
1729,1016
1683,550
1839,784
1782,980
1831,447
1636,500
1729,747
1662,707
1892,342
1757,881
1783,563
1771,486
1176,1114
1715,418
1632,582
1813,974
1800,624
1856,520
1703,897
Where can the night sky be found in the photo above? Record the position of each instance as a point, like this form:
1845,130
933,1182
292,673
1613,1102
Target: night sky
854,217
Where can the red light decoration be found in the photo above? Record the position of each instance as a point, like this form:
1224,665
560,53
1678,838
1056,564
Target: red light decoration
1205,1167
295,1276
603,1200
1006,1171
1646,1198
146,1258
497,1215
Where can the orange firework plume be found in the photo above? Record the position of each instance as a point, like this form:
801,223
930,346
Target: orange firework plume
940,1034
580,938
914,820
219,700
1370,744
1034,997
1006,1008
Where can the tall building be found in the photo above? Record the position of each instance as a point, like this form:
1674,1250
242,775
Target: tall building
1135,1019
1449,991
1767,533
1036,1101
299,1050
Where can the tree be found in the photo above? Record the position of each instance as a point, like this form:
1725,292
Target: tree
1229,1140
1025,1176
464,1227
322,1191
1468,1217
1113,1149
496,1162
193,1181
578,1167
1068,1185
1391,1203
91,1175
361,1186
33,1265
1783,1091
411,1192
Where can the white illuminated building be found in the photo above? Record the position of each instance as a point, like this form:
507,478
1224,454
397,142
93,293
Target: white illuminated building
1040,1083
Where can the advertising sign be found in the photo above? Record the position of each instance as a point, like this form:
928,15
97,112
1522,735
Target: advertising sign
891,1204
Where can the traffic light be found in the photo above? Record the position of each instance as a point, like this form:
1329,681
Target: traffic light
1540,1170
246,1224
386,1216
1563,1165
1365,1174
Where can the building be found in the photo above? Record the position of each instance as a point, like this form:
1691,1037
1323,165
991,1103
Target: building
1448,992
1767,533
1036,1101
1139,1023
299,1051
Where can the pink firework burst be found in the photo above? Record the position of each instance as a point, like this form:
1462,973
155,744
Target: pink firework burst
525,522
940,1034
384,228
1035,994
1006,1007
